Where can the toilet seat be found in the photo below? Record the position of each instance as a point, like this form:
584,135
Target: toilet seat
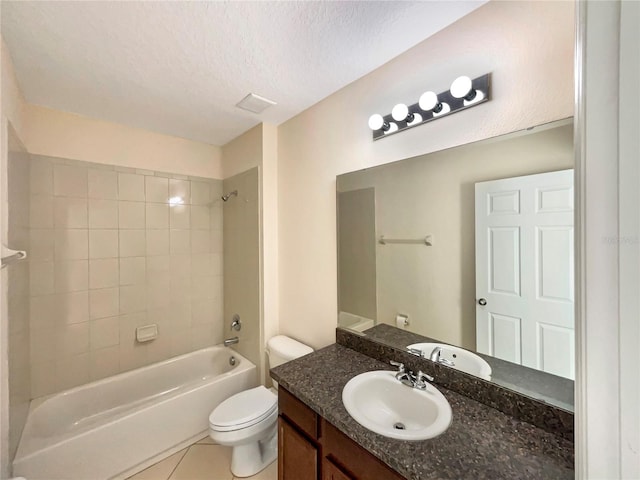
243,410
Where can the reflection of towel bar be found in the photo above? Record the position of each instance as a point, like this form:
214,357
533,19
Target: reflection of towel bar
12,256
428,240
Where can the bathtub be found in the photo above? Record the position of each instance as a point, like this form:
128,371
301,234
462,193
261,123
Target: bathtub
115,427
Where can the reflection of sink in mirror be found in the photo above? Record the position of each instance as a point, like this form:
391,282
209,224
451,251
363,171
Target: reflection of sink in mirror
457,358
354,322
380,403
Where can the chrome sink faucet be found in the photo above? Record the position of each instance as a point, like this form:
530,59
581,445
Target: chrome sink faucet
414,380
436,356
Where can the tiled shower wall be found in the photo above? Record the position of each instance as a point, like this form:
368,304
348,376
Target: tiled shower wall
16,278
109,253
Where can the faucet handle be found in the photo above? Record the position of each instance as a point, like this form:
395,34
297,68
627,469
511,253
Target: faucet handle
398,364
421,375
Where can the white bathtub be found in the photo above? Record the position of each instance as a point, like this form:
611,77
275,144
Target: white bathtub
115,427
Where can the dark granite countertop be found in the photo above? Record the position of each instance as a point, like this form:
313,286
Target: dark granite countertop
481,443
554,390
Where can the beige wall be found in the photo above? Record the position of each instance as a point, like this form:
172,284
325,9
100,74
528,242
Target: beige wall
67,135
435,194
242,153
528,48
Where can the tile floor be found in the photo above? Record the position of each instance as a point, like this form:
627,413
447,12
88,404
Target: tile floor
203,460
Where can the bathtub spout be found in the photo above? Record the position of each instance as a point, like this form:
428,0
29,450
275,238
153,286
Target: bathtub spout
231,341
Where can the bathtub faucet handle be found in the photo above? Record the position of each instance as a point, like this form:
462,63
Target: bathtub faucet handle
236,324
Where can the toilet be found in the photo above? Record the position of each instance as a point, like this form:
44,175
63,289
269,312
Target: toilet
247,421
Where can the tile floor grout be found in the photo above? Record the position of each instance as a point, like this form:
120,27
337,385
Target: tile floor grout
202,460
179,461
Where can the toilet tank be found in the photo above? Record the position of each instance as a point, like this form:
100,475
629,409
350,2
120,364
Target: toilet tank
281,349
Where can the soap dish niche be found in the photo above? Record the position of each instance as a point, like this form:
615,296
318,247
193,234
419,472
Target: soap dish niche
147,333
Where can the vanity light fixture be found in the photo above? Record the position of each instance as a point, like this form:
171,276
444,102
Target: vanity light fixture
463,93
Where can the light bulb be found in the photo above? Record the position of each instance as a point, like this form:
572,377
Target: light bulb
463,88
376,122
428,100
400,112
393,127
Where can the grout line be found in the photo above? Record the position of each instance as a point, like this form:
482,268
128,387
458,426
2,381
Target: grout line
186,450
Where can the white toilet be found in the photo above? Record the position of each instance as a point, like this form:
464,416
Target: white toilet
247,421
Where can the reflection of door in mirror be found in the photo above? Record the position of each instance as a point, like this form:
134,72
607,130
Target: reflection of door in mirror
524,271
357,259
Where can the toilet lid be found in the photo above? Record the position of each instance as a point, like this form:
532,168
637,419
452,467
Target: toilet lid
243,409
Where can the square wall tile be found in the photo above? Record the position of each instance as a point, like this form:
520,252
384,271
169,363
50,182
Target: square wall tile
157,242
41,277
156,189
104,332
157,265
180,265
202,311
158,292
71,244
41,173
216,238
133,298
200,193
131,215
104,273
130,187
103,243
72,340
132,270
41,211
42,245
103,184
157,216
104,303
104,362
201,265
72,307
73,371
128,324
43,379
180,241
43,345
200,217
180,217
132,356
103,213
69,181
70,212
200,241
132,243
71,276
180,188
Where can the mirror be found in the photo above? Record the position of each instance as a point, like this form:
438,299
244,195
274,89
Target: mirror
470,246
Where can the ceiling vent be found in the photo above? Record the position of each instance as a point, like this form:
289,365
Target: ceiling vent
255,103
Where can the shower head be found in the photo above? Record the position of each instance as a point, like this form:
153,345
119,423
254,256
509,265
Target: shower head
229,195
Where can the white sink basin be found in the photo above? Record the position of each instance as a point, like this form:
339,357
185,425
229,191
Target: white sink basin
460,359
379,402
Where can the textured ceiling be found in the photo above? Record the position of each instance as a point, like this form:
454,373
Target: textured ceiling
179,68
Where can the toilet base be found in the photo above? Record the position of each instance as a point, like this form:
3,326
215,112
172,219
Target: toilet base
249,459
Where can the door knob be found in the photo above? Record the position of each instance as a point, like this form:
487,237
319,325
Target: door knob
482,302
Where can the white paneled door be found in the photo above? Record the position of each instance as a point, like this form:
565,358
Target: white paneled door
524,271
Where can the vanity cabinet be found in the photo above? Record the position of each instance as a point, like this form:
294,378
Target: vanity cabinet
310,448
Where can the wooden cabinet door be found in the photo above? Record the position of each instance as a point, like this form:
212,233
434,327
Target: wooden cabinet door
330,471
298,458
